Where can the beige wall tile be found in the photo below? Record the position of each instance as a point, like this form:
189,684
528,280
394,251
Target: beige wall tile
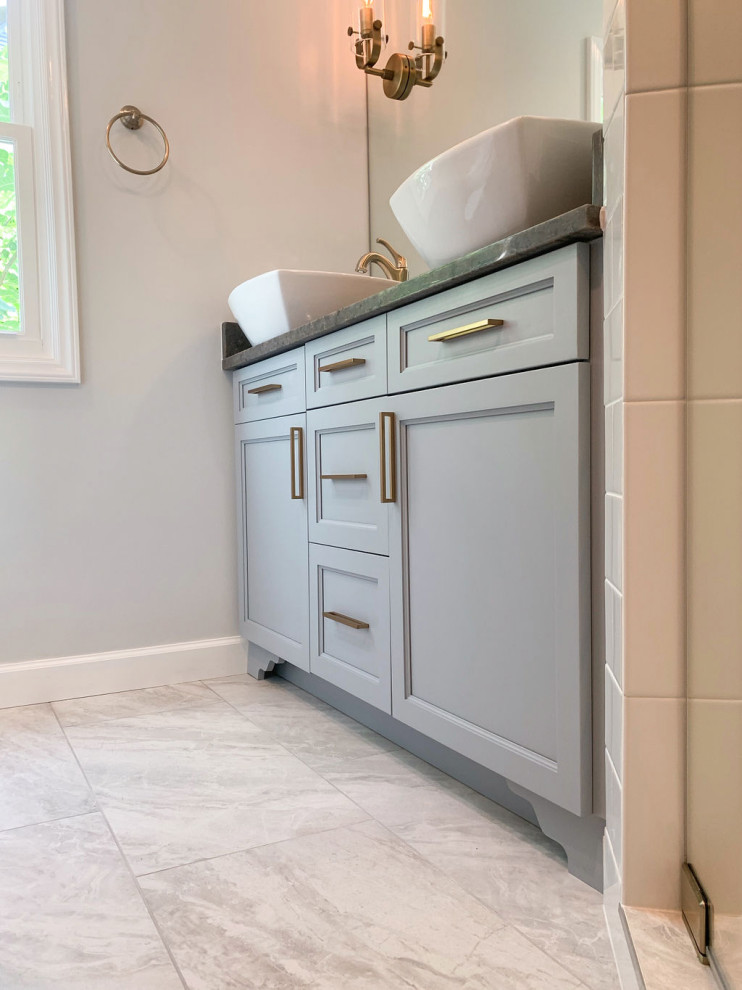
715,550
612,900
654,530
614,448
614,540
613,809
655,263
715,41
715,801
653,801
611,874
614,60
614,632
613,259
656,49
714,242
613,157
609,7
613,355
614,722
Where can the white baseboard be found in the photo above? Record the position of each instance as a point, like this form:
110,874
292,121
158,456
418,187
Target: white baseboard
32,682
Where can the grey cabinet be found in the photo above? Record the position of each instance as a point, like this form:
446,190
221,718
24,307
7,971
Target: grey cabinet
272,528
420,537
490,576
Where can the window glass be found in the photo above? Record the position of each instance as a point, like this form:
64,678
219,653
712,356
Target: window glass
10,302
10,293
4,85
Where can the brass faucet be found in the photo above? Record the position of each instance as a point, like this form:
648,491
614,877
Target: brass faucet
397,274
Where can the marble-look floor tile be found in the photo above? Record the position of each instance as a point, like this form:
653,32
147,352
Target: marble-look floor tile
71,917
100,708
324,740
495,855
512,867
397,788
247,694
39,778
352,908
186,785
664,951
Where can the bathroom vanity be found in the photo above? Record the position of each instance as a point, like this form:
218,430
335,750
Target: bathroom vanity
414,518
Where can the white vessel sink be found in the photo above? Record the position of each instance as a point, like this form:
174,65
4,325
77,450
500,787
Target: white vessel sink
497,183
282,300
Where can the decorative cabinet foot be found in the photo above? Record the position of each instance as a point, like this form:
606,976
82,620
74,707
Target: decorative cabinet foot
260,662
581,838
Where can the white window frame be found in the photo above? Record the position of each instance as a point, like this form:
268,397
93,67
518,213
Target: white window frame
48,348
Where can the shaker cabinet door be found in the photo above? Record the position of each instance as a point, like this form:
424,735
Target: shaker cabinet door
273,547
489,568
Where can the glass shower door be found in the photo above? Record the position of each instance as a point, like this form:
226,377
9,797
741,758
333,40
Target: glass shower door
714,489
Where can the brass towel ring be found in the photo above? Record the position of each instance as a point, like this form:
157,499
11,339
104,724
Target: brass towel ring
133,118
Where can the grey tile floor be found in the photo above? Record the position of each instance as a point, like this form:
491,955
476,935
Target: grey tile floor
241,834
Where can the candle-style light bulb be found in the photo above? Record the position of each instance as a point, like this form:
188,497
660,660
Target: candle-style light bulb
366,17
428,27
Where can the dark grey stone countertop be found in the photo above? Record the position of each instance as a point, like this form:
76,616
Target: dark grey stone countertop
582,224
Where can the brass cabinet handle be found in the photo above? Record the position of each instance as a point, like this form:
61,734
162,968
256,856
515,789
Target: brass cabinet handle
388,479
341,365
464,331
265,388
297,433
345,620
343,477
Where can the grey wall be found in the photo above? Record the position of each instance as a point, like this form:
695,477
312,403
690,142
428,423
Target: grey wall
117,522
505,59
116,503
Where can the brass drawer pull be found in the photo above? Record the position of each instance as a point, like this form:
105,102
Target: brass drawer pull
464,331
297,433
345,620
343,477
388,478
265,388
342,365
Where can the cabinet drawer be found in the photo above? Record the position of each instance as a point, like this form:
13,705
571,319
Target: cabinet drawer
349,623
538,311
274,387
347,365
344,454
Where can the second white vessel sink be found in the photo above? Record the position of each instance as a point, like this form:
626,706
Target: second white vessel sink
282,300
499,182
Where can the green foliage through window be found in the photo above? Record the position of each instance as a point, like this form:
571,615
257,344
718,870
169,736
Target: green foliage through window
10,295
